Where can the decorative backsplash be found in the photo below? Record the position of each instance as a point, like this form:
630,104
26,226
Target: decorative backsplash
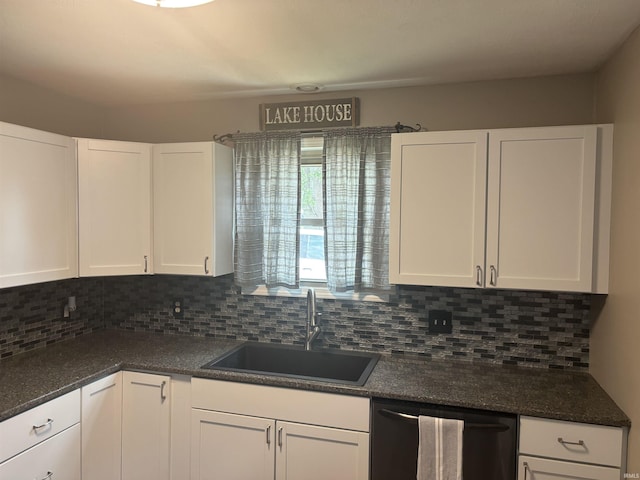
539,329
31,316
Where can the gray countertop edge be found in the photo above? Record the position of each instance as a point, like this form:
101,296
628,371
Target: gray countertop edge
65,366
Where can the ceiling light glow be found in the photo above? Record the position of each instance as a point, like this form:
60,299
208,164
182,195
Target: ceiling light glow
173,3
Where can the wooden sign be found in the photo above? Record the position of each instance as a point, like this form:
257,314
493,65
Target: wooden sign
313,114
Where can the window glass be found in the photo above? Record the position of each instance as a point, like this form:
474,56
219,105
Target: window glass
312,263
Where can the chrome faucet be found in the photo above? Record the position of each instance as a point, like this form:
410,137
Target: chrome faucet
313,329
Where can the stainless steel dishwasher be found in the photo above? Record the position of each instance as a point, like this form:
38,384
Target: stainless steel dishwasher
489,441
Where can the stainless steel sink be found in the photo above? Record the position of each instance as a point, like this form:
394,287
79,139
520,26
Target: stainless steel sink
335,366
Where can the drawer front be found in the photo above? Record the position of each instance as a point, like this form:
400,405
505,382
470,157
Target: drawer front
532,468
55,458
302,406
33,426
578,442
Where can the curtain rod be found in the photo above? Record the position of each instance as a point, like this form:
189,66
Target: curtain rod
400,128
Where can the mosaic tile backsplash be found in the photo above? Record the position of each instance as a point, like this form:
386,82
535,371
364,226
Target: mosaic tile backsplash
538,329
32,316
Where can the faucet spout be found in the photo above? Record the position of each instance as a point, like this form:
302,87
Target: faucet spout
313,329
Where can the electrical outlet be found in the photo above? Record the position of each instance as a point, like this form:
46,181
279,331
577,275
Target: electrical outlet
177,306
440,321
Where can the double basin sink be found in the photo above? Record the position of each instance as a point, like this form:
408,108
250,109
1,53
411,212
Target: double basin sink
333,366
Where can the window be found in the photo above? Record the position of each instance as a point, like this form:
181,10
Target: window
313,268
313,211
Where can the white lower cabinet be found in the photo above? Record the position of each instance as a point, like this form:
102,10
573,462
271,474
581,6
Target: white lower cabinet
102,428
242,432
553,449
532,468
146,426
43,442
310,452
55,458
231,446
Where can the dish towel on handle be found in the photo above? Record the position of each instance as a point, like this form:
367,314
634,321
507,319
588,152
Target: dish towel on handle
439,448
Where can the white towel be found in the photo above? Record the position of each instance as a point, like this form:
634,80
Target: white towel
439,448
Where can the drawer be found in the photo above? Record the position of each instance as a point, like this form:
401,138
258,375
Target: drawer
577,442
55,458
33,426
301,406
532,468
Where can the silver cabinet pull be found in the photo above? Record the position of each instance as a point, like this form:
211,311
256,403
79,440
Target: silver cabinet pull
206,268
146,264
269,435
43,425
47,476
526,469
579,443
494,276
280,437
163,397
478,275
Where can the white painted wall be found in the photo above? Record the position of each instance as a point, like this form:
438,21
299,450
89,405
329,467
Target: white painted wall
557,100
615,335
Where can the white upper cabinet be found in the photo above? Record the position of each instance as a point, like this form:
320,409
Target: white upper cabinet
114,180
438,192
541,208
535,201
193,208
38,194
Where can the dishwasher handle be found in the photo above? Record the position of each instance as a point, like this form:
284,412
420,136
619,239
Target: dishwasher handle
497,427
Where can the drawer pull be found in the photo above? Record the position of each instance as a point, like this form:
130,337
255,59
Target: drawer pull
163,397
43,425
579,443
47,476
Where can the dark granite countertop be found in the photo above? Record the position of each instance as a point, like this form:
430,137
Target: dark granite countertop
29,379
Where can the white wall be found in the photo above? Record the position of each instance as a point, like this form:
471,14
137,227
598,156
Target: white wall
32,106
615,335
556,100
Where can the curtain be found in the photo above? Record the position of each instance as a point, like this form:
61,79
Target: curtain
357,182
267,195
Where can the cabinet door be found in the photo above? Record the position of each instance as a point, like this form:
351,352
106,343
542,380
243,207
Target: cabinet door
102,428
145,426
114,181
438,191
308,452
533,468
38,194
541,208
193,208
231,447
55,458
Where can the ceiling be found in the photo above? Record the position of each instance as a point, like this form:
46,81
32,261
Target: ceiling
117,52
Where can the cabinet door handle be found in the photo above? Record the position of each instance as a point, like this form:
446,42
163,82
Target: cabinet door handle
494,276
206,268
280,437
478,275
146,264
163,397
526,469
579,443
47,476
269,435
43,425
